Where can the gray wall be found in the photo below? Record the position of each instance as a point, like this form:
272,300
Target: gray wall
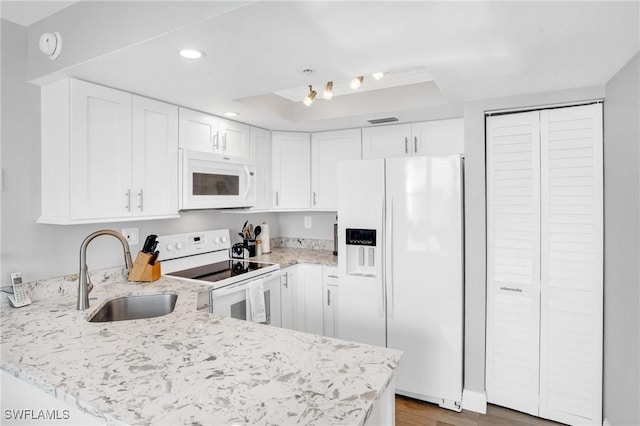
475,218
46,251
621,247
292,225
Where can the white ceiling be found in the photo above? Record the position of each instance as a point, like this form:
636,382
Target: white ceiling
471,50
26,12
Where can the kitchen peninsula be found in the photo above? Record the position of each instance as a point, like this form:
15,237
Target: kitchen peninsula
191,366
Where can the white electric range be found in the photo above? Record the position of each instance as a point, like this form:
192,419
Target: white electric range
203,257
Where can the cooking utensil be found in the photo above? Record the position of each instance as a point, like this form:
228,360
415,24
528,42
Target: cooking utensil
258,231
251,231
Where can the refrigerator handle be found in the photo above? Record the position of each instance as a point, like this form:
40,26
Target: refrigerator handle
389,260
383,265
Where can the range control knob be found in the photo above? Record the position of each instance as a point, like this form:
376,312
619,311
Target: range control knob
170,247
217,240
224,239
179,246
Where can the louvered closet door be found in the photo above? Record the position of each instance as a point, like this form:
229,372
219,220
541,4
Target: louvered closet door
572,262
513,252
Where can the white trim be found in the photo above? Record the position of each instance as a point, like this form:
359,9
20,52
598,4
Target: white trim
474,401
541,107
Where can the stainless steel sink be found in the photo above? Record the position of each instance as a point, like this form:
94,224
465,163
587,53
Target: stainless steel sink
136,307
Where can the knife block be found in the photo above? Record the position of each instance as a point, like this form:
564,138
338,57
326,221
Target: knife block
142,270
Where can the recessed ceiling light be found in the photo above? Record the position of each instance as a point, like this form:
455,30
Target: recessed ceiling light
191,53
377,75
231,114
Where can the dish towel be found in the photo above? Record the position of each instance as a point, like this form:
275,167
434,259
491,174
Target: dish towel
255,300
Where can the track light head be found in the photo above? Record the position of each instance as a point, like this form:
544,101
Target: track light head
356,82
308,100
328,90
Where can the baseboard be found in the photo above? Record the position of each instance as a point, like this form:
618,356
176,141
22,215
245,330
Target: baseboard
605,422
474,401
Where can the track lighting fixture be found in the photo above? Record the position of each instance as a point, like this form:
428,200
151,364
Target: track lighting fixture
308,100
377,75
356,82
328,90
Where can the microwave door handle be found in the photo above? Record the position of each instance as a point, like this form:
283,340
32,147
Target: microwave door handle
248,175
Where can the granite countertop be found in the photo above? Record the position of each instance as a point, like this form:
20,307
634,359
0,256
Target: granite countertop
189,366
290,256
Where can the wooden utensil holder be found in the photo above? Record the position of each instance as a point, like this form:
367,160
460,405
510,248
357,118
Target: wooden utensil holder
142,270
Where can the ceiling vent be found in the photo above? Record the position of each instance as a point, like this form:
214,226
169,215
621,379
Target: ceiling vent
382,120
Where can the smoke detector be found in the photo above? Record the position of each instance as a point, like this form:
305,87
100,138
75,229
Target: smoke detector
51,44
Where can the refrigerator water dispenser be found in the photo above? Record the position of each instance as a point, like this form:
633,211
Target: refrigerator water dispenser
361,252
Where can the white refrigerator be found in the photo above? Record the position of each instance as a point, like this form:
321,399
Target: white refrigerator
400,262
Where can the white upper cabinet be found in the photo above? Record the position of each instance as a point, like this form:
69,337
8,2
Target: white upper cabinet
327,148
155,157
100,166
291,161
261,145
199,131
386,141
208,133
235,140
440,137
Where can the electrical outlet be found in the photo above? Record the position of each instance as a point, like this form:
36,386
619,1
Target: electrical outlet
132,235
307,222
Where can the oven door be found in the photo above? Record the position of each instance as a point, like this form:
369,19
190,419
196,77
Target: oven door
207,181
231,301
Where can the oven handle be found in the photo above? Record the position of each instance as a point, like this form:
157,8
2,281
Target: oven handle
242,285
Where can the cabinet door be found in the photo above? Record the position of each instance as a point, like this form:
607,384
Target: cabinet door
441,137
572,264
235,140
155,157
261,146
199,131
291,170
330,295
100,152
386,141
308,300
327,148
287,280
513,260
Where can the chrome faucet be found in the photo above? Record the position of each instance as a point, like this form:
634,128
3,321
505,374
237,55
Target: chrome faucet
84,282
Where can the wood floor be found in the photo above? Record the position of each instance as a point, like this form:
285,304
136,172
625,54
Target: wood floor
411,412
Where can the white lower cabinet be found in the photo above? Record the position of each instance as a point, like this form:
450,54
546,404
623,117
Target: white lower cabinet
309,298
330,296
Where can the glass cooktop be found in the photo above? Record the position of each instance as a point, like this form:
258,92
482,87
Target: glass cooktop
220,270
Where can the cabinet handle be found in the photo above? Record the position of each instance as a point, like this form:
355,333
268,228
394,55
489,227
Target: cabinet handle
216,143
314,198
406,145
128,199
328,297
517,290
332,276
224,142
141,195
415,144
286,280
277,201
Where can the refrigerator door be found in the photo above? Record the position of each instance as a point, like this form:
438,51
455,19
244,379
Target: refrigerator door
424,275
361,316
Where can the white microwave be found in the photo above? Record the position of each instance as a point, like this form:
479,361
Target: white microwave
209,182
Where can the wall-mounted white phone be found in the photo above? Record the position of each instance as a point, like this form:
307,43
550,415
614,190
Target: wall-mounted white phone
19,298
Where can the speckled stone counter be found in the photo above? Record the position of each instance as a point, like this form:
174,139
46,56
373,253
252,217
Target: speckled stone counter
189,367
290,256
